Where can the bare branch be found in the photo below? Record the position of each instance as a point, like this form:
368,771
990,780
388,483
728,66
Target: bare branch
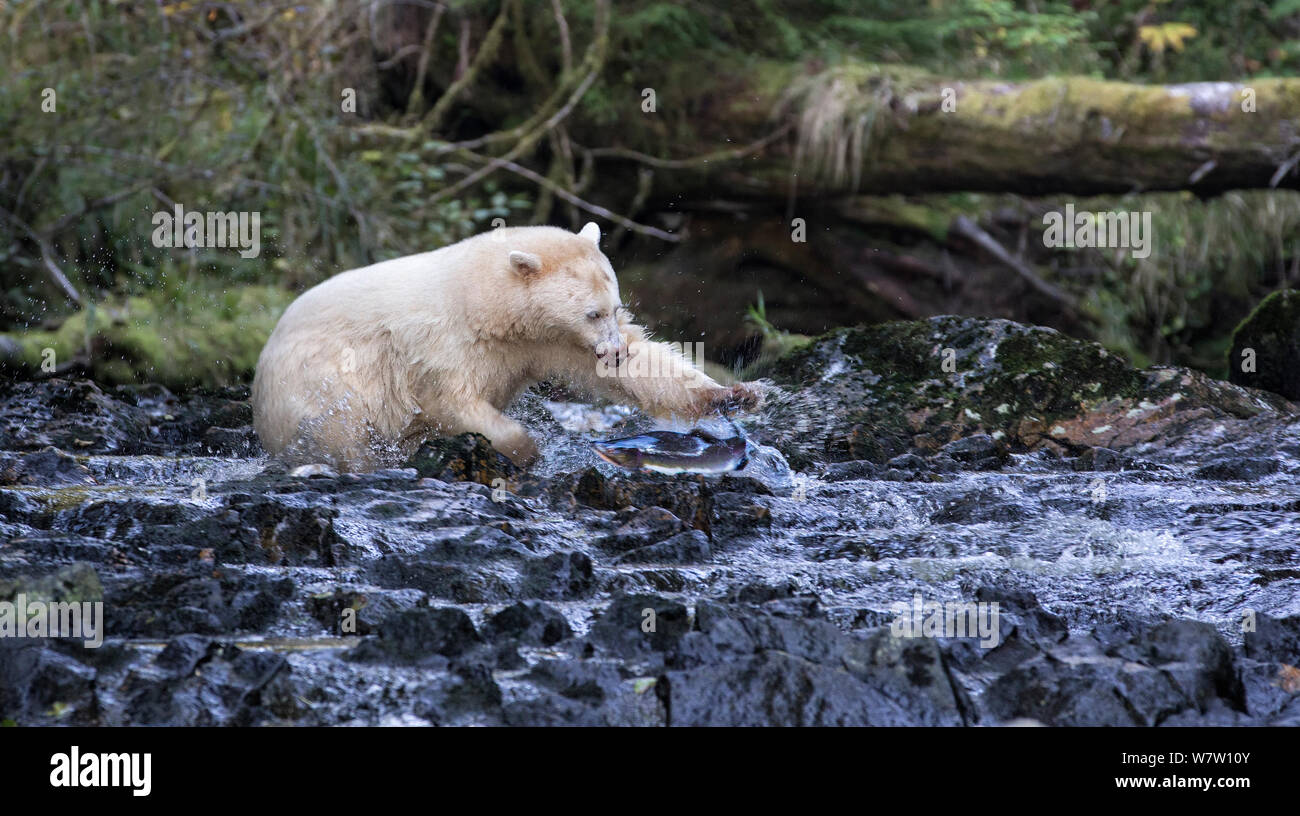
728,154
417,93
566,49
594,209
965,227
56,274
486,53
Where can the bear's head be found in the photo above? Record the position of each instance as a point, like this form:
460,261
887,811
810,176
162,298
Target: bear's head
573,292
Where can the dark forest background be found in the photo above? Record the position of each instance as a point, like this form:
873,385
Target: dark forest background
536,111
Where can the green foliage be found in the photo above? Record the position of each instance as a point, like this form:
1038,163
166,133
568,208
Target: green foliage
236,107
1210,261
162,107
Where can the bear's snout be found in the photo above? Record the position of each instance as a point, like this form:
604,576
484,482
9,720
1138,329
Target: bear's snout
612,352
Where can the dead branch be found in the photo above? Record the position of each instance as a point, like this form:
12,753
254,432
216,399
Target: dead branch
486,53
56,274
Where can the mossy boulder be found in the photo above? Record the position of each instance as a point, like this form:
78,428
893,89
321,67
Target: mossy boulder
1266,346
875,392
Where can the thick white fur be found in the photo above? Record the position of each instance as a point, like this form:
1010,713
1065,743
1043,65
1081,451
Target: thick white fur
364,366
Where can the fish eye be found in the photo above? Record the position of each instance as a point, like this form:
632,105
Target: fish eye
593,315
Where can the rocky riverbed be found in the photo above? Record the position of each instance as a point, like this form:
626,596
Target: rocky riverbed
1138,531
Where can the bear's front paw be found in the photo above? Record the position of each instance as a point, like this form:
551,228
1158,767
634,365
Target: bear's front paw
522,451
739,397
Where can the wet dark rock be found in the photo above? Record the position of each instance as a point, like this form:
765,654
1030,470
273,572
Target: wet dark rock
79,417
690,547
741,486
240,441
588,693
111,518
452,582
357,612
560,576
183,654
37,681
585,680
688,498
1177,668
726,631
193,601
464,696
465,458
774,688
1266,346
1103,459
634,624
912,672
846,471
262,531
482,565
978,451
1192,651
883,390
76,583
1274,640
758,592
235,687
906,461
1270,692
72,415
532,623
981,506
46,468
644,527
1024,630
752,667
734,515
1237,468
1098,692
1093,503
416,635
229,408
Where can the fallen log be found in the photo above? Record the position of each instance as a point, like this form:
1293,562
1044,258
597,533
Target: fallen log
878,131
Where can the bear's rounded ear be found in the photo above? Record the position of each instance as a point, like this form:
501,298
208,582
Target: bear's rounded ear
591,232
525,263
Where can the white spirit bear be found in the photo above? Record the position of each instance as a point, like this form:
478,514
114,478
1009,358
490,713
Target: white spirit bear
364,366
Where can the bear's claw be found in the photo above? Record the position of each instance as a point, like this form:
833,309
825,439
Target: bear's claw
739,397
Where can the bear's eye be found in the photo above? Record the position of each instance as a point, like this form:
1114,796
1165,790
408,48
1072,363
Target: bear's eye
593,315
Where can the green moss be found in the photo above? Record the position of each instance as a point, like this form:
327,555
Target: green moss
211,338
72,496
1277,315
1268,341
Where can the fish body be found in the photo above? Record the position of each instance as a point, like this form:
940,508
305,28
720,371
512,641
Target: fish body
674,452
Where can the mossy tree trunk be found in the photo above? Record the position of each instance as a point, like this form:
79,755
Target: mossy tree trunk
882,131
